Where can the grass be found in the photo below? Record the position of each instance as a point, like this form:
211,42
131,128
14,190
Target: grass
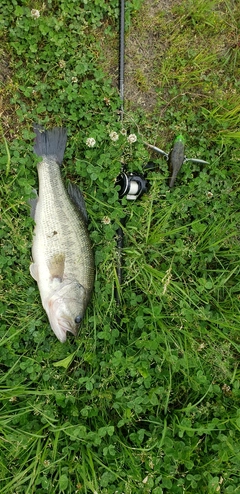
146,399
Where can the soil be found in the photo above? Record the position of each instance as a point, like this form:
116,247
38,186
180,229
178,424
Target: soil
4,68
144,48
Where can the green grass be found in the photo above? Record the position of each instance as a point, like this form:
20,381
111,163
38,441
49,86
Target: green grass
146,399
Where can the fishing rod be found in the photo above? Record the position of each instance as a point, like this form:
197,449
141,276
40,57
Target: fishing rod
132,185
120,234
121,54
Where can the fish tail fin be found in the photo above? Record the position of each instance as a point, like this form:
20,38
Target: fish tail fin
50,142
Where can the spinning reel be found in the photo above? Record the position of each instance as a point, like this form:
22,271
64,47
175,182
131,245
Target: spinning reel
132,185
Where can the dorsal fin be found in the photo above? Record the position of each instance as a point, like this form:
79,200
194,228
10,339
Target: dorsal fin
78,199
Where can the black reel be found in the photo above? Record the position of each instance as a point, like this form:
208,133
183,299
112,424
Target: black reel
132,185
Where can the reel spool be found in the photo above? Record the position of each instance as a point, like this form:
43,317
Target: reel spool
132,185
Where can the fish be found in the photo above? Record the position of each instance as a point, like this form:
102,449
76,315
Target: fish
62,255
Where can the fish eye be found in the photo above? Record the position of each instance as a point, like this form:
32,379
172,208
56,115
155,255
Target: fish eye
78,319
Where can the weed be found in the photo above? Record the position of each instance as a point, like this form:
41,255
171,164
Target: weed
146,399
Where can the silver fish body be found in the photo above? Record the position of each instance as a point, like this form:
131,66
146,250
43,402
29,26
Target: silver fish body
62,255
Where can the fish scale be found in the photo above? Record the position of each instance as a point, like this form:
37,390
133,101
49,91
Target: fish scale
66,222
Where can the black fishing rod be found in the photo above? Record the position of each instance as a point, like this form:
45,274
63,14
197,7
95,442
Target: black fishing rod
132,185
121,53
121,93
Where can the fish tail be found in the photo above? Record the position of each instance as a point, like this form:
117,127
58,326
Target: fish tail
50,142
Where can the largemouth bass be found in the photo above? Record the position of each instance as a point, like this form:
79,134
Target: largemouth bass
62,255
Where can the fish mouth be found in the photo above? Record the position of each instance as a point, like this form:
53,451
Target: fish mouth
60,320
61,325
64,326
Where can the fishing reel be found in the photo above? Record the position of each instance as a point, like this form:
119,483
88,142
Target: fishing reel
132,185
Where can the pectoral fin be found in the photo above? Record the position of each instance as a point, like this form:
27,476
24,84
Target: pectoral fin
34,271
56,266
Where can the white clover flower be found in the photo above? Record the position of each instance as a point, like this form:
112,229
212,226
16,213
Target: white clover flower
62,64
106,220
123,132
132,138
106,101
90,142
74,79
114,136
13,398
35,13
